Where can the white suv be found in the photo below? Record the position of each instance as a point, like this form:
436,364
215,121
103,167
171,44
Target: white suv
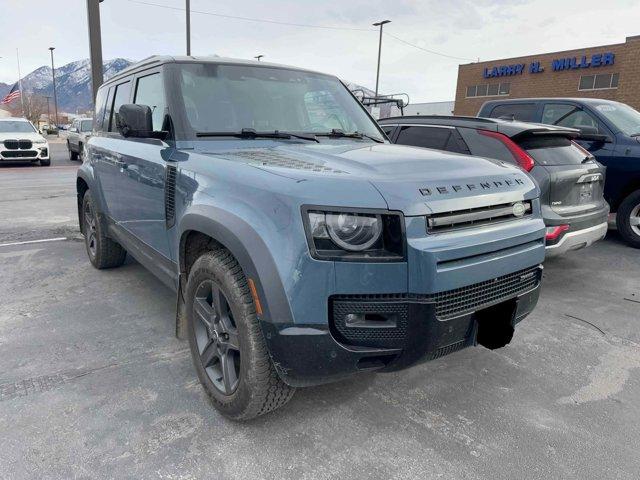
21,142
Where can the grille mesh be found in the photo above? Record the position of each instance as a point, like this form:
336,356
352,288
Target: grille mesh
18,144
359,335
462,300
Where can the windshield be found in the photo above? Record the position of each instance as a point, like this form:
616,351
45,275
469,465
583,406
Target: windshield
16,126
86,125
621,116
229,98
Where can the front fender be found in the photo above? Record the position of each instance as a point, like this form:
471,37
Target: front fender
249,249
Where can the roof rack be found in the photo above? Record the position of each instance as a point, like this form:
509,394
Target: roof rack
369,101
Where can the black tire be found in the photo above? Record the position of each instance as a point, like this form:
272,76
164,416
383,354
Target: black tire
45,163
253,386
103,252
626,219
72,155
80,154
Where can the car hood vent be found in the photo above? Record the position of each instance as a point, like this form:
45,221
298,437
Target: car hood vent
272,158
474,217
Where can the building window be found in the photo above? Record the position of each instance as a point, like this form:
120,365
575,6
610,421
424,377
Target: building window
598,82
488,90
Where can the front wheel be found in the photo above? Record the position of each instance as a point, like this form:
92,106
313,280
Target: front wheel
628,219
227,345
72,155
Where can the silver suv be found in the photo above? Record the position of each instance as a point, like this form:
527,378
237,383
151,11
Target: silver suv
79,133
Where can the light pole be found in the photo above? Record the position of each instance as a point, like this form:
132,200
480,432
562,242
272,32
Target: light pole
48,111
258,57
95,44
188,20
379,24
55,96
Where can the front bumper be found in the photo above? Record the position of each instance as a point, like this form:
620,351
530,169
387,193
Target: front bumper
575,240
410,328
35,153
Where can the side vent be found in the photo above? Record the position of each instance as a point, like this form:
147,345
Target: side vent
170,196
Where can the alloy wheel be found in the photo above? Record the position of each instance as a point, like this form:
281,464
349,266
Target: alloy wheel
217,337
634,220
90,229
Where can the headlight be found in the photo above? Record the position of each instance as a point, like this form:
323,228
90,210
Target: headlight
354,235
39,142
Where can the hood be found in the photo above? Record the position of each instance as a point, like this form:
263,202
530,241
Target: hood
33,136
416,181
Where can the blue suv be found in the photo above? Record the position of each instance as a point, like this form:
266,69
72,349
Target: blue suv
609,130
303,247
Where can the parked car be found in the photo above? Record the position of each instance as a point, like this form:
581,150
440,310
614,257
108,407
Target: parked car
301,253
570,179
20,141
608,130
79,133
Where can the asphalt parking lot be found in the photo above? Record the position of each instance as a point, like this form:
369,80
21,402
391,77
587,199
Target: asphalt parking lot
94,384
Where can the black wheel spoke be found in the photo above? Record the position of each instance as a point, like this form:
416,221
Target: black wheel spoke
231,340
209,355
203,311
229,377
218,301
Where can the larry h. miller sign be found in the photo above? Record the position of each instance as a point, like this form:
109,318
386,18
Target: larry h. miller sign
558,64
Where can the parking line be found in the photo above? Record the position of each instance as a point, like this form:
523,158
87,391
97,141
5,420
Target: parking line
27,242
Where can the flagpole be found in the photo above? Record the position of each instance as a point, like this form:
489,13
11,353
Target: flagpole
20,83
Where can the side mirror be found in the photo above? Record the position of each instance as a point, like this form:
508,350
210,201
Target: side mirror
137,121
590,134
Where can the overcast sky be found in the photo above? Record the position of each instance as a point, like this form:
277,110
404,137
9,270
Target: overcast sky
485,29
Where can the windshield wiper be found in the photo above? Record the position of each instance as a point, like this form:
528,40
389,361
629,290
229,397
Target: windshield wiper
336,132
251,133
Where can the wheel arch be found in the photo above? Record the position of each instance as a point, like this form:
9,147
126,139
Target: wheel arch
631,187
207,227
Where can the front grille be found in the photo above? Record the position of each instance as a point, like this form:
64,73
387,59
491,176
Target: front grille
18,144
474,217
19,154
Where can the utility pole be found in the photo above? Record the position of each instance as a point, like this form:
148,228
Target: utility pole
379,24
95,44
188,20
55,95
20,82
48,111
258,57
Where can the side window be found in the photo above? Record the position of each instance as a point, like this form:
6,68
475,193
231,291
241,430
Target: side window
525,112
426,137
553,112
388,129
577,118
101,102
120,98
150,91
483,146
108,108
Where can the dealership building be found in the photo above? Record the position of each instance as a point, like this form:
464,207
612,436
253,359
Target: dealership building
608,71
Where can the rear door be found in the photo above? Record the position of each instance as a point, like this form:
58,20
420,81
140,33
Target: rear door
576,180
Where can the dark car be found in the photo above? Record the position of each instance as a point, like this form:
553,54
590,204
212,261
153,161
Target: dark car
609,130
570,179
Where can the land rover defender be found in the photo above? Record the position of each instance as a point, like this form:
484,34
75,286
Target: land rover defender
302,245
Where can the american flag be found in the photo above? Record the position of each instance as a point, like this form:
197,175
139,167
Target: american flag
12,95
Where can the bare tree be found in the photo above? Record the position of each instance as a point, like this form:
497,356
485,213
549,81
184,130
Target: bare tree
34,107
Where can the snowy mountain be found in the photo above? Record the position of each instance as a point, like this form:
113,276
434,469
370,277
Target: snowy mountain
73,83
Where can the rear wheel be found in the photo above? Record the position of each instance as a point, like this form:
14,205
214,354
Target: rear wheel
80,154
103,252
72,155
628,219
227,345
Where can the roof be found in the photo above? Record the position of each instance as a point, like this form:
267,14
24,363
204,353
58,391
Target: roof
550,99
157,60
510,128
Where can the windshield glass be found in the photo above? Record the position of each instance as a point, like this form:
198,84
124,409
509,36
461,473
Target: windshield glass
228,98
16,126
86,125
622,116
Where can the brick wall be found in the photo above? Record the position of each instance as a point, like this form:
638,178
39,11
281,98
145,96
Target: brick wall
562,83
